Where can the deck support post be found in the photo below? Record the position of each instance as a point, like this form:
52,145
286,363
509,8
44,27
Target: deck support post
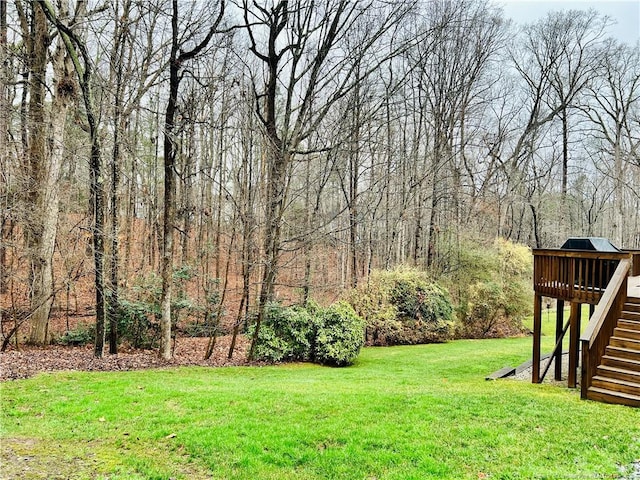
574,335
537,333
559,324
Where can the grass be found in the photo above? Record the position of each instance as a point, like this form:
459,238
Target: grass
400,413
549,320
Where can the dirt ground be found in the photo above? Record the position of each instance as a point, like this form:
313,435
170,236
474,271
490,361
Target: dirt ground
28,361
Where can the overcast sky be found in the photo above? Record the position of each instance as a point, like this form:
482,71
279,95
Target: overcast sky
625,12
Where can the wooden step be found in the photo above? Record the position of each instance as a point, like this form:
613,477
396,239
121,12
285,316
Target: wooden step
629,315
629,333
607,396
631,307
621,352
618,362
619,373
624,342
629,324
616,385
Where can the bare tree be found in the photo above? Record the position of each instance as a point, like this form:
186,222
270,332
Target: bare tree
177,60
463,40
302,81
555,61
82,62
614,99
5,220
45,149
36,34
576,34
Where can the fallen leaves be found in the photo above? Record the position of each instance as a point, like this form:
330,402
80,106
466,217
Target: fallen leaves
189,351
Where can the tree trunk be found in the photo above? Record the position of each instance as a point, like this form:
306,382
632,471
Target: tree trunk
38,182
117,58
248,224
115,230
177,58
50,192
5,220
618,197
308,242
275,203
354,174
84,72
97,196
169,192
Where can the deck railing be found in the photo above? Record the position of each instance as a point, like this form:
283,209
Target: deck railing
635,262
572,275
596,337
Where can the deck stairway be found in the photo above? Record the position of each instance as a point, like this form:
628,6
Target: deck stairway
617,378
607,350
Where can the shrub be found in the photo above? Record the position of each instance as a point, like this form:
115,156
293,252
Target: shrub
402,307
494,306
330,336
83,334
137,323
340,335
139,314
209,326
285,334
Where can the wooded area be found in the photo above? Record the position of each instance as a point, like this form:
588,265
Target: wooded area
231,153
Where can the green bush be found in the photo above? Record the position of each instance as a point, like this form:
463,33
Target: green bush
139,313
83,334
330,336
137,323
209,325
340,335
286,334
403,307
495,303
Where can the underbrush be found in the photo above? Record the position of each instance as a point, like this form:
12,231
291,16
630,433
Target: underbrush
403,307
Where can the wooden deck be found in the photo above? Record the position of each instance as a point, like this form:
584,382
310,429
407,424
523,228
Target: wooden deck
633,287
609,347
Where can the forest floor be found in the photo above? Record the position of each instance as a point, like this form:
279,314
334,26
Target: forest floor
28,361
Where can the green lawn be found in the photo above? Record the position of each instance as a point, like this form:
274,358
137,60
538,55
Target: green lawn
399,413
549,320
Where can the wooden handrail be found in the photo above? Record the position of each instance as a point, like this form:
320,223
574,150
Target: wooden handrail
556,252
596,336
635,262
607,301
574,275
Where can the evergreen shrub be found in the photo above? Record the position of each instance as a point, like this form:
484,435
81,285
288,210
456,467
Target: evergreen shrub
329,336
140,309
285,334
209,325
137,323
83,334
340,335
